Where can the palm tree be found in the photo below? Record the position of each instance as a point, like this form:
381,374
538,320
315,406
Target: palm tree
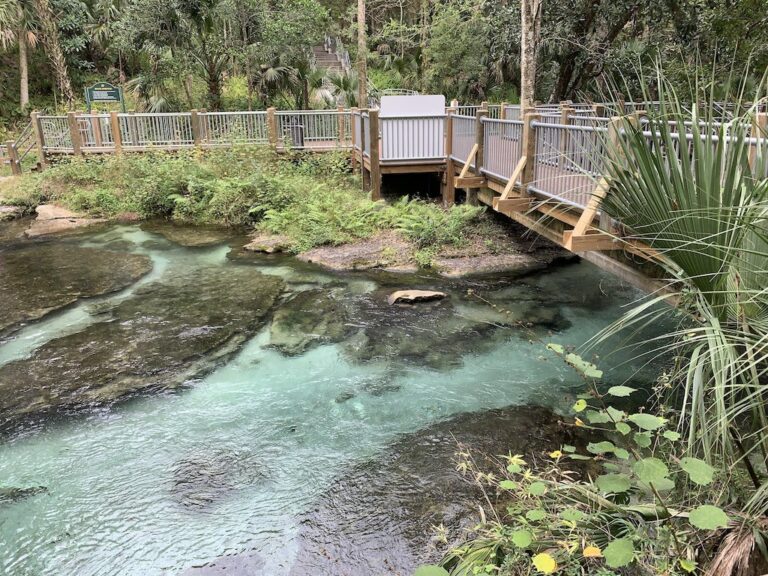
345,89
50,36
17,25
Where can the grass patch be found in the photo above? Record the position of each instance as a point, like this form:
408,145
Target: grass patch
312,199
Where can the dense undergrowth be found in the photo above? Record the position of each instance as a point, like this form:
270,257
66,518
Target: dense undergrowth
313,200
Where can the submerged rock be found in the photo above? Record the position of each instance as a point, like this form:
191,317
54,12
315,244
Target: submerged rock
167,333
9,213
267,243
378,517
53,219
518,264
9,495
385,250
201,479
309,319
413,296
39,278
188,235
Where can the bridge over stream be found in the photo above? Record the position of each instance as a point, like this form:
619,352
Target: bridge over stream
543,169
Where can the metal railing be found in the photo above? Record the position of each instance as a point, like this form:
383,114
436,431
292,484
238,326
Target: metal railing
316,129
356,119
413,138
223,128
503,140
366,134
464,130
166,130
56,134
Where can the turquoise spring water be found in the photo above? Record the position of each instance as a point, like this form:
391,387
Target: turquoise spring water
273,425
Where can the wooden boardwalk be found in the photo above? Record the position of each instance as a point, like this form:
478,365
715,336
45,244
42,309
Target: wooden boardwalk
543,169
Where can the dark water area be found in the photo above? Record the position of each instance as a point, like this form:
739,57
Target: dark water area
170,404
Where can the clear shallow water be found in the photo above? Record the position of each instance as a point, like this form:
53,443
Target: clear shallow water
161,483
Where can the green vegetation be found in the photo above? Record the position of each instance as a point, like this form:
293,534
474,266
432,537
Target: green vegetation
311,199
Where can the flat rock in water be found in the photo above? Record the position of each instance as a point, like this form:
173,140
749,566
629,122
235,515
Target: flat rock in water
385,250
189,236
413,296
53,219
169,332
521,263
39,278
9,213
309,319
267,243
378,517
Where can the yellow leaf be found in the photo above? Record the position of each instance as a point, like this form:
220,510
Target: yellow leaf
592,552
544,563
556,454
579,422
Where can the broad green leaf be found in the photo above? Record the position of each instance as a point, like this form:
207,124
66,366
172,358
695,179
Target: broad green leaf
615,414
596,417
621,391
621,454
623,428
572,514
610,466
430,570
580,406
663,485
536,514
509,485
619,553
613,483
698,471
586,368
688,565
556,348
708,517
600,447
514,468
522,538
650,470
569,448
544,563
642,439
670,435
647,421
537,488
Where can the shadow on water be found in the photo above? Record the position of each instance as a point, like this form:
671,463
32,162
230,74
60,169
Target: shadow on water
314,430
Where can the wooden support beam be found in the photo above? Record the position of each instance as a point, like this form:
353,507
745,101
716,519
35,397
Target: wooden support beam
117,137
513,179
13,157
468,162
196,135
592,240
513,205
39,138
342,126
479,154
95,121
468,182
373,116
74,133
353,136
503,110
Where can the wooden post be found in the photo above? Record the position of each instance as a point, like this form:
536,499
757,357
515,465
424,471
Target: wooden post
375,167
117,138
366,176
195,121
449,190
759,131
342,126
503,110
598,110
454,103
13,157
95,121
37,125
272,127
352,136
529,151
74,133
480,143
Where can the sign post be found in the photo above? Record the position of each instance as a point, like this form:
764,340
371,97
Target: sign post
104,93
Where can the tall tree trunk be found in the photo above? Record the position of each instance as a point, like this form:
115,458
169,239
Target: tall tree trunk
50,33
214,90
23,71
530,19
362,54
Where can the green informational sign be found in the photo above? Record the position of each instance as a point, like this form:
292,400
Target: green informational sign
104,93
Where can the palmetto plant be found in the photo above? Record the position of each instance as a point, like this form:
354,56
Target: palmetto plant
690,183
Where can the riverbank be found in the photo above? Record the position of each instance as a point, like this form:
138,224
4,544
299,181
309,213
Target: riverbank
307,205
